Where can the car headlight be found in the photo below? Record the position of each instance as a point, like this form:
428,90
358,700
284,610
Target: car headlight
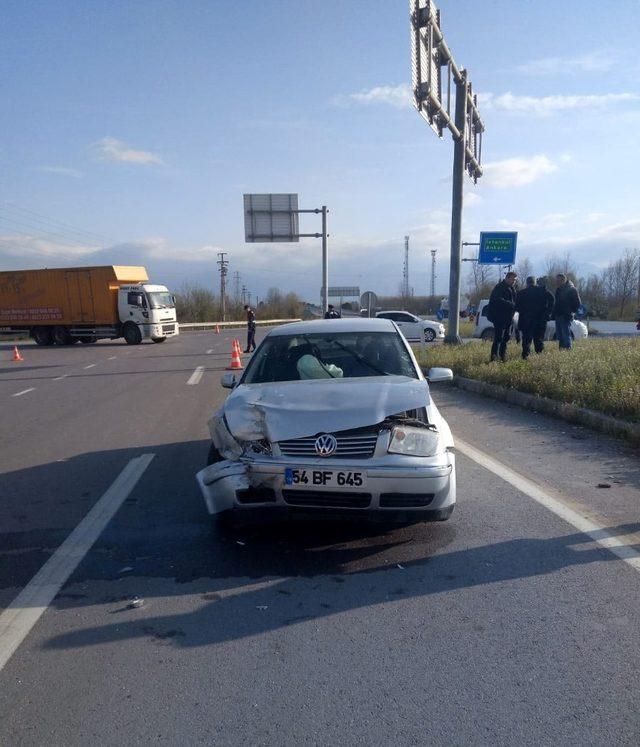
421,442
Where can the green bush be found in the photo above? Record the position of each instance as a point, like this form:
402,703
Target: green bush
603,375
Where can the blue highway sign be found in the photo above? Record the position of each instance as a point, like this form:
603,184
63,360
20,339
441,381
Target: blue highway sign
497,247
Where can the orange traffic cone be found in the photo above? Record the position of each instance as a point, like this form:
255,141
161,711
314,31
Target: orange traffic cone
236,344
16,354
236,363
217,329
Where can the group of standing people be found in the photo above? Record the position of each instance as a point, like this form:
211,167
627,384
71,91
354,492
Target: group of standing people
535,306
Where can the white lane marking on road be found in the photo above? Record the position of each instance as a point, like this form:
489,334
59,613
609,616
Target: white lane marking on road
25,610
91,365
58,378
196,376
558,504
24,391
112,357
209,352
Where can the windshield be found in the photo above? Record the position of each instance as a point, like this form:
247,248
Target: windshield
160,300
342,355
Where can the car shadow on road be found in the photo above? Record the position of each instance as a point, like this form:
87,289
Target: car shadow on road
243,583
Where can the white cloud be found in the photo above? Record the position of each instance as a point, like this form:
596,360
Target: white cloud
472,198
397,96
112,149
518,171
21,246
62,171
544,106
593,62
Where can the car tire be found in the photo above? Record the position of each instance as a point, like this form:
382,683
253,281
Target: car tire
158,339
488,334
429,335
132,334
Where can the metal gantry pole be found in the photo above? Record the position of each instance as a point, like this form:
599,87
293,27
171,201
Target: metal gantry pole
453,327
325,262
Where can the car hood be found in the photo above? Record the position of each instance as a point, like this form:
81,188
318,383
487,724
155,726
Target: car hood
294,409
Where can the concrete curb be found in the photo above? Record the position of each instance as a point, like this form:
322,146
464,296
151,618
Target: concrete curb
563,410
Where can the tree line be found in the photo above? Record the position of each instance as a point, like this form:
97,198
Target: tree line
197,304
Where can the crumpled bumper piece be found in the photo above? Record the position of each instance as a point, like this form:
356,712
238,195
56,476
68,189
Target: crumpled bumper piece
219,482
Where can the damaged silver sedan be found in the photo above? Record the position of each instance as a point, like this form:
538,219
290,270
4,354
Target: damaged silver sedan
332,416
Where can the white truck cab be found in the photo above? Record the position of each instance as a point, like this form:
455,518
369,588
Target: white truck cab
146,311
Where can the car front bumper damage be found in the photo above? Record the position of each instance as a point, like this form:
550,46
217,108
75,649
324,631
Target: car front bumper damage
413,491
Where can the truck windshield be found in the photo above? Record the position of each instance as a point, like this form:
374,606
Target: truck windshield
160,300
329,356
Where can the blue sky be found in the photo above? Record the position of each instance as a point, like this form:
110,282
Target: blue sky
130,131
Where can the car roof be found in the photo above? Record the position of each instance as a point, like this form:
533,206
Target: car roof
394,311
320,326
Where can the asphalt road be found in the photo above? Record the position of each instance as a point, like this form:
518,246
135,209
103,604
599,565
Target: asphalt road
506,625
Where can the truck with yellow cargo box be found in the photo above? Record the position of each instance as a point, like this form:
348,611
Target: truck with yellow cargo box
86,304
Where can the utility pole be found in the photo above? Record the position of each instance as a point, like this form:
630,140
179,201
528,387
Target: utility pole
405,269
224,268
455,267
236,283
244,295
433,272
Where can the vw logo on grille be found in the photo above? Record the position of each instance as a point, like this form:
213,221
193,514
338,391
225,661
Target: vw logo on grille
326,445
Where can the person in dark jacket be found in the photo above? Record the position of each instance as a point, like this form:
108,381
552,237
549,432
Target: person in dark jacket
534,305
331,313
251,329
502,306
566,305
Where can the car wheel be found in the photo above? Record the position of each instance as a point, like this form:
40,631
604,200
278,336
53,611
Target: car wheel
132,334
488,334
159,339
429,335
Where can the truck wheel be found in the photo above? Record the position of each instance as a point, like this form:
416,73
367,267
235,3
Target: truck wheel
132,334
42,335
488,334
88,340
159,339
61,336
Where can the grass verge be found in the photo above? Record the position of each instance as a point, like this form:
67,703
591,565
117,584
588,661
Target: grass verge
603,375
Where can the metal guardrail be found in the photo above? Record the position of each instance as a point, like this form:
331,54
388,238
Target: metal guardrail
230,325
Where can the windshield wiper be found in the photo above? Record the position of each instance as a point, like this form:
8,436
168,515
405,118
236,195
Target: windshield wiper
360,358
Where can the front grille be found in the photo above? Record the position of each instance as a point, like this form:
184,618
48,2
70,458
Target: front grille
405,500
168,327
355,444
326,499
256,495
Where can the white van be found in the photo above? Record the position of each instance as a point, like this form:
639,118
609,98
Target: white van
484,328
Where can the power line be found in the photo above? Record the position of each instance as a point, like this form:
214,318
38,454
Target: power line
39,233
57,224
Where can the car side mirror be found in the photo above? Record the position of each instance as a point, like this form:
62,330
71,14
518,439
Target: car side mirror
228,380
437,374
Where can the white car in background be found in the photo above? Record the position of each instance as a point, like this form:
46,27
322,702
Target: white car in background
412,327
484,328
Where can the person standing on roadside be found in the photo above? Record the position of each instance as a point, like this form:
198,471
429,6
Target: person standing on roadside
534,305
502,306
566,305
251,329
